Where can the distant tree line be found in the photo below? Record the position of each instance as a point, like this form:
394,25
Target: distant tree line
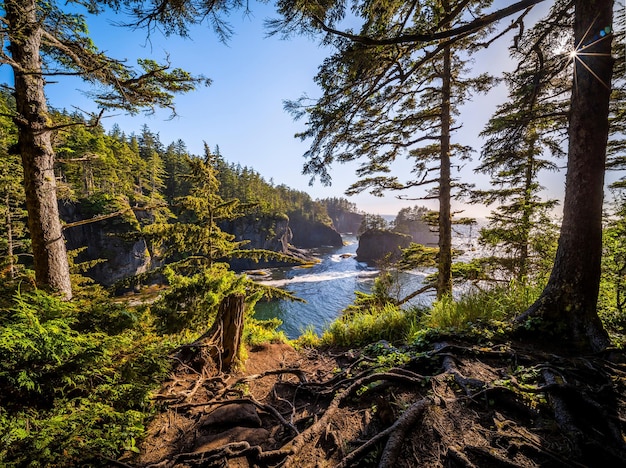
111,172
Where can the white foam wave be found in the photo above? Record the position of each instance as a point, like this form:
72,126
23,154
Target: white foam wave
318,278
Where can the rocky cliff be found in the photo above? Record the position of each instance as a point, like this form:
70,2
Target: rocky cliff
347,222
376,244
309,234
124,257
279,234
267,232
106,240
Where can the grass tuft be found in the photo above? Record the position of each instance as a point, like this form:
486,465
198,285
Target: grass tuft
388,322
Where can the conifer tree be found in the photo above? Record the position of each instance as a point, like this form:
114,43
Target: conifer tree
382,103
47,38
196,250
530,124
150,150
85,161
176,167
125,153
13,232
570,297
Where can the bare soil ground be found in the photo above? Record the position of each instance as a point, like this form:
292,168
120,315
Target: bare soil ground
454,405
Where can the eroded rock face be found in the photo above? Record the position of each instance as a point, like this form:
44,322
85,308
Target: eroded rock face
376,244
124,256
105,240
307,234
279,234
264,232
347,222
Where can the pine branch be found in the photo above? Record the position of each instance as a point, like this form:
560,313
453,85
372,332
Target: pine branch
453,34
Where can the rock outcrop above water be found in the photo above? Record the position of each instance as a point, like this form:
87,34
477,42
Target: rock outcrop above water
309,234
122,255
377,244
266,232
280,234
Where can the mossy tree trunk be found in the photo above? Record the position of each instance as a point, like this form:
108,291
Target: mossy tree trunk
33,123
444,274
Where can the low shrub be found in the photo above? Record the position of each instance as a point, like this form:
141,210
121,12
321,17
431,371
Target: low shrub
496,303
71,396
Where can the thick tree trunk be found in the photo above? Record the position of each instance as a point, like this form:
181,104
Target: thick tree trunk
568,304
527,211
444,275
50,256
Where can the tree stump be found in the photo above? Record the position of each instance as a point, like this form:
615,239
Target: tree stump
223,339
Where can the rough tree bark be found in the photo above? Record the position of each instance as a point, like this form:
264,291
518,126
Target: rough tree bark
569,300
33,123
224,336
444,274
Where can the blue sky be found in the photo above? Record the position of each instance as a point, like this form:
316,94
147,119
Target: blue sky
242,111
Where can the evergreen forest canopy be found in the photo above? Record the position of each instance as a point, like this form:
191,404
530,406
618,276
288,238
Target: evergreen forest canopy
114,174
77,367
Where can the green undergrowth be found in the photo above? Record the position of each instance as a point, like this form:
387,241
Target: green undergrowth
479,313
257,332
498,303
76,377
373,324
75,380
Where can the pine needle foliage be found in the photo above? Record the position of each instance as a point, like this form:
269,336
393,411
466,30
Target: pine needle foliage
385,103
197,249
525,139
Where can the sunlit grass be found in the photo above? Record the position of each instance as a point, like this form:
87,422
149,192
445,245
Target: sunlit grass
369,326
498,303
258,332
308,339
495,305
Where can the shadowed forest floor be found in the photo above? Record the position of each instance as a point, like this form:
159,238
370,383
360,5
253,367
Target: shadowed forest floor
455,405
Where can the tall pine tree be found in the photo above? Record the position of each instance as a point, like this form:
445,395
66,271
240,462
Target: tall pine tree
386,102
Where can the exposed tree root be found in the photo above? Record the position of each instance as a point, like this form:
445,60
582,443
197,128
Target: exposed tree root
456,406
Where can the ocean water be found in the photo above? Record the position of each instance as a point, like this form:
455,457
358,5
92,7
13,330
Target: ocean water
329,286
